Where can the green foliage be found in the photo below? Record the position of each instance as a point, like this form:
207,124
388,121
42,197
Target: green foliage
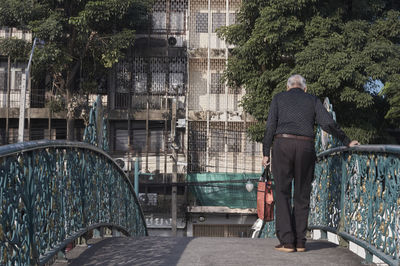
338,46
15,48
57,104
82,38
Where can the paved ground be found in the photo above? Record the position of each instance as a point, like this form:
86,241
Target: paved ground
204,251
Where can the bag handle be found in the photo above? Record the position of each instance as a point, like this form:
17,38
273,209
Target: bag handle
266,175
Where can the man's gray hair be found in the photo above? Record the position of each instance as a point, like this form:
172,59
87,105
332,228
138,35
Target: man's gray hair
296,81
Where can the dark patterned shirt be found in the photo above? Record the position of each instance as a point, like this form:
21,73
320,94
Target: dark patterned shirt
295,112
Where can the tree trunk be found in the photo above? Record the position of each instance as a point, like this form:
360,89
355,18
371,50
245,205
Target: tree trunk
70,117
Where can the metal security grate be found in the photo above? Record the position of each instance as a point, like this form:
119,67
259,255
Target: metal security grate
221,230
226,149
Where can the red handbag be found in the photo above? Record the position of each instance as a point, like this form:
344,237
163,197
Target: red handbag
265,198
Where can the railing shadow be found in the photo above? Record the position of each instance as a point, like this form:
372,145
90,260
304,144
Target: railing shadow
138,251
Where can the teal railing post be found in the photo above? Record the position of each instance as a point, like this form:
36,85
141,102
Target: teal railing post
343,184
136,181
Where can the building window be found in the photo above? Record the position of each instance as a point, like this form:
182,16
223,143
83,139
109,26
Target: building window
217,86
179,5
121,140
139,140
235,90
177,68
157,82
176,82
159,20
17,80
218,20
201,22
156,140
252,147
3,80
158,72
232,18
217,140
36,133
177,21
140,83
124,76
234,140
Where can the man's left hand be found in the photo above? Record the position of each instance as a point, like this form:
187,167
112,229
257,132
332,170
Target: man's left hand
354,143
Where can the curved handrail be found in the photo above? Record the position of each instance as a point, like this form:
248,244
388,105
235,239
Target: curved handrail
395,149
356,194
55,191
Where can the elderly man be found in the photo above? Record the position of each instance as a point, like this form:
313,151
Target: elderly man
290,124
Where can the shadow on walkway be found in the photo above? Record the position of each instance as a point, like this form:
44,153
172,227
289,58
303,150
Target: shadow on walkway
133,251
319,245
208,251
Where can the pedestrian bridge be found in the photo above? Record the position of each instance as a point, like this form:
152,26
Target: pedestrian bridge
54,193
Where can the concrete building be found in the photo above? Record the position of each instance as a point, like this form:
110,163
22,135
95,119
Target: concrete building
173,72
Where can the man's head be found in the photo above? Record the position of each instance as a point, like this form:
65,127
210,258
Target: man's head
296,81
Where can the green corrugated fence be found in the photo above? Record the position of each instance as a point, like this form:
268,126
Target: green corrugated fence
224,189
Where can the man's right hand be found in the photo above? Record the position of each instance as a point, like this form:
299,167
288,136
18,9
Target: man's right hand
354,143
265,161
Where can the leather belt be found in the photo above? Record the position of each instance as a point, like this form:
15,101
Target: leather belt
290,136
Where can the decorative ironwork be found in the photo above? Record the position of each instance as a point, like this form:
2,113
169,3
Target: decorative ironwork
96,130
323,140
55,191
356,194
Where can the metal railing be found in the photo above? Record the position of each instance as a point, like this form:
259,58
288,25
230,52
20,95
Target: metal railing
53,192
356,195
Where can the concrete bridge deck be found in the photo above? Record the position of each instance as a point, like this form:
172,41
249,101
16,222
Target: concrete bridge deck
203,251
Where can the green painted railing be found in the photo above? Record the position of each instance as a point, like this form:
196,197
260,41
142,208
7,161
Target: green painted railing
356,194
53,192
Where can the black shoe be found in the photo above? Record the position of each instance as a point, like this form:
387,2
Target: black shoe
301,247
285,248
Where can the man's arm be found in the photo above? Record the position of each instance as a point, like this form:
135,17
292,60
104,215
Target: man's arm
325,120
270,129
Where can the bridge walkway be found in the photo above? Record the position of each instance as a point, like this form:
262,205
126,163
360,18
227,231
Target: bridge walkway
204,251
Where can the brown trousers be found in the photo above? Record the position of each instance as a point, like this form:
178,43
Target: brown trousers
292,159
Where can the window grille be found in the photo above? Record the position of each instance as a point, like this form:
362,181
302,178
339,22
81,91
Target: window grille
159,6
202,22
234,136
217,86
197,146
17,80
140,83
124,77
179,5
217,130
218,20
177,75
3,80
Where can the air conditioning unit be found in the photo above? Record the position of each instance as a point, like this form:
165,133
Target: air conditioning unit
175,41
123,163
181,123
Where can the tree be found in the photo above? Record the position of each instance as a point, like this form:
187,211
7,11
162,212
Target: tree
83,38
342,48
